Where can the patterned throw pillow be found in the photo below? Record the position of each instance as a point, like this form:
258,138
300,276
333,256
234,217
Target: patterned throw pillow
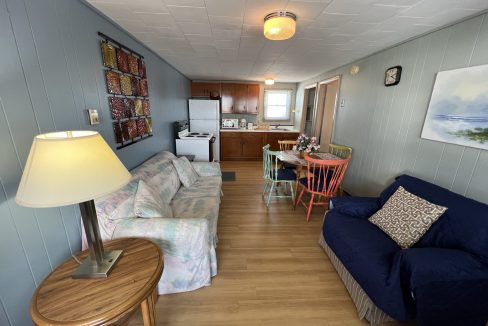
406,217
147,204
186,172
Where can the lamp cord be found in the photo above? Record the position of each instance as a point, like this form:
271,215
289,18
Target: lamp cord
77,260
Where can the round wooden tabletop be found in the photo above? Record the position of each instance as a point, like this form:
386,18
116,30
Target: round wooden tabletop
62,300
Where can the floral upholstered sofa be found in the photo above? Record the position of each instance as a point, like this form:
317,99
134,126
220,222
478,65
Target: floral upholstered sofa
188,237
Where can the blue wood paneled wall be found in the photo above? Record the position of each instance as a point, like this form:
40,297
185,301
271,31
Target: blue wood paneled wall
50,73
383,124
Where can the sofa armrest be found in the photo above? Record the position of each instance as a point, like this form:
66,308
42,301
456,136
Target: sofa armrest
450,286
362,207
181,237
207,169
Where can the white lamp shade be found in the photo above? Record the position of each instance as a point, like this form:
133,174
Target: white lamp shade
69,167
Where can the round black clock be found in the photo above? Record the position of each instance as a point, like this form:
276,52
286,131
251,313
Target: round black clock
392,75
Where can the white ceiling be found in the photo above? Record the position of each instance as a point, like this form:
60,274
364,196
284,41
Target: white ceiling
223,39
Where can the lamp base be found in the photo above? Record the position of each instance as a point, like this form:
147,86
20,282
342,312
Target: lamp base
91,269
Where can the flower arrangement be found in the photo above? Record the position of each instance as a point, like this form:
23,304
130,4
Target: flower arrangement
306,144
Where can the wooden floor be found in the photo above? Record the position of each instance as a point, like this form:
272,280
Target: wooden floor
271,270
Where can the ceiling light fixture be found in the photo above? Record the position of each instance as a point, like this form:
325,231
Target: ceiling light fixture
280,25
269,81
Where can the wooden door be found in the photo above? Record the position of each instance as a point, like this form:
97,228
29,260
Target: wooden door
252,105
227,98
240,98
252,144
230,145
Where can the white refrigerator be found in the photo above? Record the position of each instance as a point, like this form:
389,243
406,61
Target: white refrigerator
205,117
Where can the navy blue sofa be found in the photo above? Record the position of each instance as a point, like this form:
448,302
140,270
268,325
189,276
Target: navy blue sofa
441,280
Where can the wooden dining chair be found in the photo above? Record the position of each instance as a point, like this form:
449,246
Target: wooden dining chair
341,151
275,177
323,180
286,145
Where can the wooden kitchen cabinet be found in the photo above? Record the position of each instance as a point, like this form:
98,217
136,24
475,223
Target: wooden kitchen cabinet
252,144
248,145
241,146
230,145
205,90
252,102
240,98
227,98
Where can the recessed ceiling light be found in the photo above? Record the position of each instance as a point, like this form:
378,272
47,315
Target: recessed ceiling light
280,25
269,81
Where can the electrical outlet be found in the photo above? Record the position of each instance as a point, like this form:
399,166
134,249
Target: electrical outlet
343,103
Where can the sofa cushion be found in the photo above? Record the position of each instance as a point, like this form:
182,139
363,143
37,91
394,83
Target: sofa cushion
202,207
203,187
406,217
114,206
148,204
367,254
186,172
165,181
464,225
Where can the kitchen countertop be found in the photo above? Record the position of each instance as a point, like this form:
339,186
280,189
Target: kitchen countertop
258,130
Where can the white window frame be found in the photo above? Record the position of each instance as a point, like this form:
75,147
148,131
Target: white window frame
286,117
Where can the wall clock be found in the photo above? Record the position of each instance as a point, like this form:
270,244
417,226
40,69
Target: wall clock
393,75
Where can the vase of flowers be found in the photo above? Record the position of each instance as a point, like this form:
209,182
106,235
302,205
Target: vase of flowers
306,145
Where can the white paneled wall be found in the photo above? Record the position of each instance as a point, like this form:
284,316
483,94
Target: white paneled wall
383,124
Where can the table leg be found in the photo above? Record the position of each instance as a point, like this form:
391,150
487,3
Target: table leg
149,310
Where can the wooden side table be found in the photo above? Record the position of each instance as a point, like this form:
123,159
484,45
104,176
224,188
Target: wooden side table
62,300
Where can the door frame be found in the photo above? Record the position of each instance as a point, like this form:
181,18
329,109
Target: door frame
304,104
327,81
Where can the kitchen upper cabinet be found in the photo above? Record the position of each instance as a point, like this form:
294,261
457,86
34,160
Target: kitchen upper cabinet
205,90
252,105
240,98
227,98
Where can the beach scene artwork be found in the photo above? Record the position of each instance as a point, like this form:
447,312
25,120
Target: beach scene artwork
458,109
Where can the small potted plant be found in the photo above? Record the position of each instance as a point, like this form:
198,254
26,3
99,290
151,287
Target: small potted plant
306,145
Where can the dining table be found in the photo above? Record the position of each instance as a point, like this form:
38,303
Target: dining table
293,157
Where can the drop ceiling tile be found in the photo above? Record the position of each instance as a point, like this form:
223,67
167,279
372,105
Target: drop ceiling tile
348,7
185,3
334,20
189,14
234,8
252,30
195,28
251,42
353,28
256,10
156,19
200,39
225,22
447,16
226,44
226,34
306,10
379,13
173,32
425,9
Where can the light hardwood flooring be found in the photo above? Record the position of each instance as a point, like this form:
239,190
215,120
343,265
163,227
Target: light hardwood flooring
271,269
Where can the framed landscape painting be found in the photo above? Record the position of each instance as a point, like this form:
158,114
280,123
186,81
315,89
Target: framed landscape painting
458,108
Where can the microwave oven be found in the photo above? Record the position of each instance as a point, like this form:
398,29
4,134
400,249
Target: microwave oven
230,123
